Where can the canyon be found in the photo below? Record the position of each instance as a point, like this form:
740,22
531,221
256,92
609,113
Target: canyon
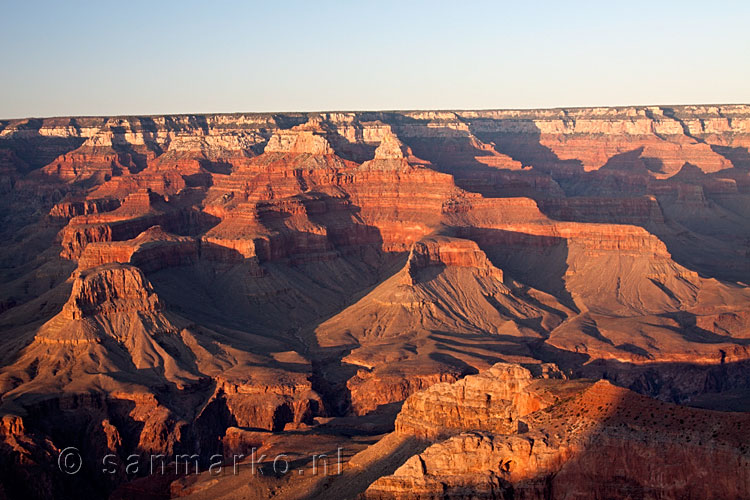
471,304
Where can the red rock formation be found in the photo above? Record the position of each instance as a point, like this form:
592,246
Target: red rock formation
123,340
636,211
442,251
109,290
271,400
372,389
139,211
339,263
151,250
70,209
492,401
602,441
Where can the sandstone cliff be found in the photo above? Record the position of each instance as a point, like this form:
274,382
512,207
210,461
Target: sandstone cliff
585,440
258,271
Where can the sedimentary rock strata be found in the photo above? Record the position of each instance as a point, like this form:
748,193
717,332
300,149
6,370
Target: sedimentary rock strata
584,439
167,278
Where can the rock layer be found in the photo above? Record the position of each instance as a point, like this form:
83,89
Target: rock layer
591,440
167,278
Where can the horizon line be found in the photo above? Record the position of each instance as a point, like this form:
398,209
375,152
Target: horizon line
348,111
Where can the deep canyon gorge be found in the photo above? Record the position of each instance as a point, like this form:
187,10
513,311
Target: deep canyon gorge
528,304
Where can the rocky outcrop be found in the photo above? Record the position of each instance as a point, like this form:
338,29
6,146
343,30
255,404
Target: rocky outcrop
370,390
308,138
139,212
110,289
69,209
494,400
151,250
599,440
420,298
634,211
443,251
271,401
390,148
164,385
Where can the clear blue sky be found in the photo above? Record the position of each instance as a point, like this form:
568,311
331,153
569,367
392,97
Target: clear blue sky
151,57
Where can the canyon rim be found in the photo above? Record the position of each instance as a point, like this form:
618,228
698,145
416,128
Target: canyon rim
521,304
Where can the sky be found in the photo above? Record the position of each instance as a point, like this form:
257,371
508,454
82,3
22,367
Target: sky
62,58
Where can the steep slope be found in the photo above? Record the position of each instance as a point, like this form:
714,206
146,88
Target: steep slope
590,440
115,361
444,314
255,272
447,284
115,335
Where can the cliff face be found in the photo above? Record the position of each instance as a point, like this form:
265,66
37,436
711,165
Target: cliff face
493,401
203,272
162,384
593,440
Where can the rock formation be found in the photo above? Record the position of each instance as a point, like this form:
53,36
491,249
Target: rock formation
167,278
512,436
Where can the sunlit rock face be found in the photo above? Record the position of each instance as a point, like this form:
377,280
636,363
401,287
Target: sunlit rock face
551,438
214,282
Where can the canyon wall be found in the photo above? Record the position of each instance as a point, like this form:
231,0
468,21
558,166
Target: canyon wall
580,439
167,278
